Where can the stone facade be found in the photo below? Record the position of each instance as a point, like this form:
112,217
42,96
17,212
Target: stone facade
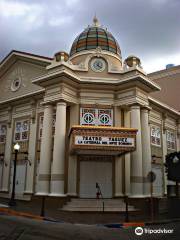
42,99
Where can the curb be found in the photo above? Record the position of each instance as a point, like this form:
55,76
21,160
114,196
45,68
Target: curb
10,212
137,224
124,225
20,214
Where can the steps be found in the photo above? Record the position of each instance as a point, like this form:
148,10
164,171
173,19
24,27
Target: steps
96,205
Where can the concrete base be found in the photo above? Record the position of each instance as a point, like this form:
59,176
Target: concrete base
57,195
41,194
97,205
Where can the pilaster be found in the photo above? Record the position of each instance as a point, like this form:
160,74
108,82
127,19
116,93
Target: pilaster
31,152
7,153
146,149
127,157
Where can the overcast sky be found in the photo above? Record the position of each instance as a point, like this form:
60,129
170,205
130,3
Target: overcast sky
149,29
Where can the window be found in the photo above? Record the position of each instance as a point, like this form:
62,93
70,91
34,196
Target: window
88,116
3,130
155,135
105,117
96,117
21,130
171,140
41,125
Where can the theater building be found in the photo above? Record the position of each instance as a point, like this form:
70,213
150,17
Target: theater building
83,118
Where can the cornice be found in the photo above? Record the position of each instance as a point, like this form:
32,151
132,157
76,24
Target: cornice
25,54
165,106
164,73
21,96
14,56
87,52
54,74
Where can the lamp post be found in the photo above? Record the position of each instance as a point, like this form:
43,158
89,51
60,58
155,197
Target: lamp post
12,201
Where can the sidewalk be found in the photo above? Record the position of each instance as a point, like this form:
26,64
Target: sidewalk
52,212
3,206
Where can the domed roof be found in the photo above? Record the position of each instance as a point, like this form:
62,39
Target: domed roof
95,36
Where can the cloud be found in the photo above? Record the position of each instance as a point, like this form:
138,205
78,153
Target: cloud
57,21
148,29
11,9
158,63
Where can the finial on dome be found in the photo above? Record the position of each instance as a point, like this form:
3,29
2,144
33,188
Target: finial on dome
96,22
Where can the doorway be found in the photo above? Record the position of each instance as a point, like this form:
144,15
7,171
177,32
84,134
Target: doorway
95,170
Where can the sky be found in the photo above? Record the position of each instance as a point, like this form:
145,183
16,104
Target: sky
149,29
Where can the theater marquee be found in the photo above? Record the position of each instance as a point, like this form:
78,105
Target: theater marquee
102,139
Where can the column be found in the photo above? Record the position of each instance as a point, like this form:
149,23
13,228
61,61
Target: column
46,152
127,157
146,149
57,171
164,148
31,157
118,160
72,165
7,159
136,160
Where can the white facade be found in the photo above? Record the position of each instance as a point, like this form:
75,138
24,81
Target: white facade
43,99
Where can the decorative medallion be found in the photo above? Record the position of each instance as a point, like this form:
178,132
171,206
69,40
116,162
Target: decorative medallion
15,85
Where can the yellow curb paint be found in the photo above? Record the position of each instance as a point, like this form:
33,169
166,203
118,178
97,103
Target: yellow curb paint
20,214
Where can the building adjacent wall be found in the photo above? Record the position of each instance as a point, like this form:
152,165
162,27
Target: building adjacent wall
168,79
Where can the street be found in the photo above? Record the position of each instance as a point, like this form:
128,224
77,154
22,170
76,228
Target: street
19,228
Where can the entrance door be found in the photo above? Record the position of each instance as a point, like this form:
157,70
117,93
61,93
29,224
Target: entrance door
20,178
158,183
92,172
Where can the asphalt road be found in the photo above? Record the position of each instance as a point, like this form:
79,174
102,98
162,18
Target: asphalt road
17,228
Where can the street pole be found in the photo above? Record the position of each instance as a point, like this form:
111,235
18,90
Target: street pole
127,211
152,203
177,190
12,201
43,207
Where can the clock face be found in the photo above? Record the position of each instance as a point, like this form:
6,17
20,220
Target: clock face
98,65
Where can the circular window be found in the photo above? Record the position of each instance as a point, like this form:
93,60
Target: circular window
104,118
88,117
15,84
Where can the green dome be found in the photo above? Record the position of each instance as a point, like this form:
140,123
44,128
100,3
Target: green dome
93,37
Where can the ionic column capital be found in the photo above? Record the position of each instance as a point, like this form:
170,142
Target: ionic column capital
61,103
47,105
135,106
146,109
178,127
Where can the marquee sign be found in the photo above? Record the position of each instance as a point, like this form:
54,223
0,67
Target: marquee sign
104,141
110,140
